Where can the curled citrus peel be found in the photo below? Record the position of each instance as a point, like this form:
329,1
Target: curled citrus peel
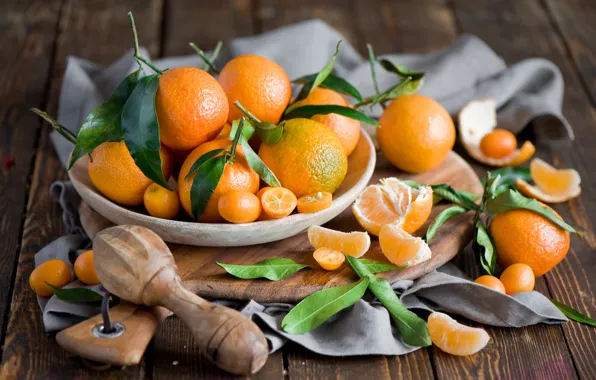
552,185
395,203
479,118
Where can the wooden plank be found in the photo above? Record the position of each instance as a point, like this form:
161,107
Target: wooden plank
96,31
28,30
575,21
517,30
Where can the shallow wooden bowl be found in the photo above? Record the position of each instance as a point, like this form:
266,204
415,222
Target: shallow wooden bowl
361,165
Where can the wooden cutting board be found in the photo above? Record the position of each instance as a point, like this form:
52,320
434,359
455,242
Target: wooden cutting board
202,275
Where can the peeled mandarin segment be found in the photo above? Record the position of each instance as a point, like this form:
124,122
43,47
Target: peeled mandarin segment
491,282
278,202
161,202
314,202
372,210
329,259
552,181
354,244
536,193
455,338
415,204
401,248
518,278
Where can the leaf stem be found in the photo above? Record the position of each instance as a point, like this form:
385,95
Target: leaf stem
232,154
372,59
66,133
135,38
252,118
205,59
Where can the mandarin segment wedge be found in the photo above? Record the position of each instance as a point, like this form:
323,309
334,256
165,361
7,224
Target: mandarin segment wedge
401,248
455,338
354,244
552,185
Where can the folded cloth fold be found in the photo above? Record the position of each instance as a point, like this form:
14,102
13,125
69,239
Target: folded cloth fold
468,70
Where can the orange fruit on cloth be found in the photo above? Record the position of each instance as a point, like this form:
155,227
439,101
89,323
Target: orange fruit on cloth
191,107
314,202
491,282
84,269
278,202
161,202
455,338
114,173
416,133
236,176
401,248
499,143
329,259
354,244
393,202
307,159
259,84
238,206
518,278
523,236
347,129
54,272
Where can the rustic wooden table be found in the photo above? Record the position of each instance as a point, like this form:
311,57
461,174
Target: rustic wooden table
39,35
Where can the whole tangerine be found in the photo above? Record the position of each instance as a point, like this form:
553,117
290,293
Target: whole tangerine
491,282
53,272
518,278
84,268
499,143
238,206
161,202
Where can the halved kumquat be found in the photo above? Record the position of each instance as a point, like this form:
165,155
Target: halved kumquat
314,202
278,202
329,259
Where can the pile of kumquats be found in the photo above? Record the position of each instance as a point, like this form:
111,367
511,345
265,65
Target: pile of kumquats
233,144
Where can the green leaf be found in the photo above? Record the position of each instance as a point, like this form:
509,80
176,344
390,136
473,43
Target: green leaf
441,218
255,162
506,179
462,198
413,184
103,123
201,161
141,129
407,86
573,314
76,294
322,305
333,82
485,249
374,266
274,269
402,71
372,59
311,110
271,136
248,130
511,199
318,79
204,183
412,328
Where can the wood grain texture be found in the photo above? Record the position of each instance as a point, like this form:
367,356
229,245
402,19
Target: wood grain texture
95,31
29,30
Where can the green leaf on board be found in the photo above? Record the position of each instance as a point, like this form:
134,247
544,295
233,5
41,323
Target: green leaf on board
446,192
319,78
412,328
512,199
573,314
273,269
484,248
375,266
322,305
255,162
333,82
205,182
402,71
140,129
201,160
324,109
103,123
76,294
441,218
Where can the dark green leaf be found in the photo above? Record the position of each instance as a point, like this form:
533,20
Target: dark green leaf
76,294
103,123
445,191
573,314
271,136
201,160
311,110
412,328
140,129
378,266
401,71
506,179
274,269
485,249
333,82
511,199
441,218
204,183
258,165
322,305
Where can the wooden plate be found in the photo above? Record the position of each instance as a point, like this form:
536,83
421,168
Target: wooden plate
361,165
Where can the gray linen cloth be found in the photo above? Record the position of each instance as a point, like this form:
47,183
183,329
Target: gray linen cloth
527,91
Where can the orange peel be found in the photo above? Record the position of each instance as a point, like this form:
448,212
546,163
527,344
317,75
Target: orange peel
552,185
